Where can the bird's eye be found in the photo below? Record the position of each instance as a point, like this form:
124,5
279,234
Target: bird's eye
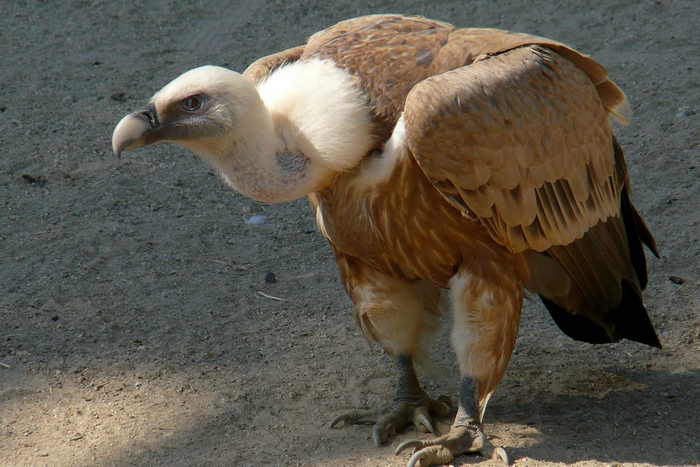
191,103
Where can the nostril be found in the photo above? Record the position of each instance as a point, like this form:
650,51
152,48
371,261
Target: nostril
148,116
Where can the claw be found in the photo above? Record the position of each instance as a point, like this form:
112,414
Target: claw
353,418
421,420
490,451
416,457
379,436
433,455
337,420
501,453
411,443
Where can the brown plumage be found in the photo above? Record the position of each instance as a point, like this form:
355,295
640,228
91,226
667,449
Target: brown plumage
477,160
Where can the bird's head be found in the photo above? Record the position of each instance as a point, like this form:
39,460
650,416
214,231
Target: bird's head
276,142
197,109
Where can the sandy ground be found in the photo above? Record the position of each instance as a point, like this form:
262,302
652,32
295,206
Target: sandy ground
131,327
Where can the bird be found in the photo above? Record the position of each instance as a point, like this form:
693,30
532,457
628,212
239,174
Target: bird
477,161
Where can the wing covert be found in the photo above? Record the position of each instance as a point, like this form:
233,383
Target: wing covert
520,140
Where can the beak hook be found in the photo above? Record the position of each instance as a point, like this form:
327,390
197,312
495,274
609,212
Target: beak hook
130,130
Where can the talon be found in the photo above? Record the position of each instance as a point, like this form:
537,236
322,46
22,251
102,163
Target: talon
411,443
432,455
378,436
501,453
422,420
417,457
353,418
337,420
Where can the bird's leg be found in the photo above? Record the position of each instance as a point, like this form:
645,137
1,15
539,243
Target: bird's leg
411,404
486,308
466,434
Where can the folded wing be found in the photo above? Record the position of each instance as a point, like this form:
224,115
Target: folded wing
520,141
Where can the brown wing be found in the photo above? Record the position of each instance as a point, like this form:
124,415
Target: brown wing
261,68
522,142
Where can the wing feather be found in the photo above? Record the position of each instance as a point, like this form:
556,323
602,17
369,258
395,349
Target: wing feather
523,138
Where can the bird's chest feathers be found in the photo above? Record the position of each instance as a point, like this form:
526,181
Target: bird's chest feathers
400,225
350,227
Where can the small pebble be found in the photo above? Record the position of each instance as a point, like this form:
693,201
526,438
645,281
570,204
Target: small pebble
270,278
256,220
676,280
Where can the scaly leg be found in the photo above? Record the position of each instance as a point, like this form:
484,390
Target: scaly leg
411,404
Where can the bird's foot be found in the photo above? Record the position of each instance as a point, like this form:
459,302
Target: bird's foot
393,417
461,439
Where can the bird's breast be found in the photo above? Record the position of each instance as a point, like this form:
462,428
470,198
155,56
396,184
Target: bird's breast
401,226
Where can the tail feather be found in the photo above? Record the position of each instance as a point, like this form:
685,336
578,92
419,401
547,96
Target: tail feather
629,320
579,327
644,233
634,240
601,308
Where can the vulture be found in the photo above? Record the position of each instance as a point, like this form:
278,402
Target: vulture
478,161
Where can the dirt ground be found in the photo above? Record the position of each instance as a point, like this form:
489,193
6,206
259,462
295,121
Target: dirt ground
132,328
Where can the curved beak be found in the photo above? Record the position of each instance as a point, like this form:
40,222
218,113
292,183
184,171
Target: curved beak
132,131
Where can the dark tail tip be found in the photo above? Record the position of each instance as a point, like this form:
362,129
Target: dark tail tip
629,320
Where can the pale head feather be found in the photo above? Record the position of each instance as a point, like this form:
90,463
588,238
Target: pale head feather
234,96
